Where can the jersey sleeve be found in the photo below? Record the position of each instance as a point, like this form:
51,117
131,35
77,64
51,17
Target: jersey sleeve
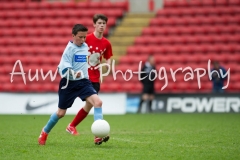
108,53
66,61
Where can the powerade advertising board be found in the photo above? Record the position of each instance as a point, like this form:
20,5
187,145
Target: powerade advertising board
187,103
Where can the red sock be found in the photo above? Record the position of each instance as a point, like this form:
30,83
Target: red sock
79,117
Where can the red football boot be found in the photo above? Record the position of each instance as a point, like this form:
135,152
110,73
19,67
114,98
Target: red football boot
42,138
99,141
72,130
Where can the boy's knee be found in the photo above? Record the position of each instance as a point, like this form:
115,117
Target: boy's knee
60,114
88,107
98,103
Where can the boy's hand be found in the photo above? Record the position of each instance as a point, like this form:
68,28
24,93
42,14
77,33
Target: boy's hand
78,75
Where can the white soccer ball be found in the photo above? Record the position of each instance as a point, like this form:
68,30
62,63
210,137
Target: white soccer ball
100,128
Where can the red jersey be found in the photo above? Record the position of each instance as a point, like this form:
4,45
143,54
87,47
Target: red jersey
98,48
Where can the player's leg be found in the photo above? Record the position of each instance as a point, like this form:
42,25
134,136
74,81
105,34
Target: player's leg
97,111
96,101
54,119
150,97
66,98
144,98
50,124
147,89
81,115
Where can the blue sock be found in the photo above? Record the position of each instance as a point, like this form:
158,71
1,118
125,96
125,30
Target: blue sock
51,123
98,113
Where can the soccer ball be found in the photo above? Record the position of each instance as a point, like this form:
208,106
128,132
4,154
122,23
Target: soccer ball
100,128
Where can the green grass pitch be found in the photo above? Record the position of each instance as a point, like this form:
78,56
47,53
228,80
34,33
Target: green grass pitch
133,137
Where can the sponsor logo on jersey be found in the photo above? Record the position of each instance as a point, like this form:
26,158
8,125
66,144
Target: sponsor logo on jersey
80,58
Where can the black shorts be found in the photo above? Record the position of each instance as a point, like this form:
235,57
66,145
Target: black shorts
96,86
81,88
148,89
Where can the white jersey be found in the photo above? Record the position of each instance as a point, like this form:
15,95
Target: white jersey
75,58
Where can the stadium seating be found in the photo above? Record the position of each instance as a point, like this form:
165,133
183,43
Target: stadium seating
36,33
182,34
188,34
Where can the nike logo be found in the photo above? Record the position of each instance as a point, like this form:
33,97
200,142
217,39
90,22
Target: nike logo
30,107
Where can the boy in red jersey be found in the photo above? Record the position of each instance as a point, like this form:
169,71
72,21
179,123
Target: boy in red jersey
99,47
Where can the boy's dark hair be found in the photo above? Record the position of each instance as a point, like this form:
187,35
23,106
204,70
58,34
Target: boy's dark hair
99,16
79,27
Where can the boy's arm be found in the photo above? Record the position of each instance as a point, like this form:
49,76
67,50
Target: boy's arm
108,54
108,61
66,66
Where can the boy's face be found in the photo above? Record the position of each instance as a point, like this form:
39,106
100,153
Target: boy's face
100,25
216,65
151,61
79,38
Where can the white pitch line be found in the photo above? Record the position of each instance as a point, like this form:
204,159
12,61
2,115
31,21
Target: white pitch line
130,141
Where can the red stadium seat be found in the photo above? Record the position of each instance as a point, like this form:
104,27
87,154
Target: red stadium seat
127,87
114,87
170,4
104,87
138,87
140,41
108,79
163,59
48,87
126,60
234,2
162,31
182,87
235,78
144,50
21,87
33,6
234,67
7,6
8,87
172,12
114,13
121,5
132,50
195,4
122,68
35,87
47,5
106,5
5,79
187,30
221,2
208,3
147,31
196,30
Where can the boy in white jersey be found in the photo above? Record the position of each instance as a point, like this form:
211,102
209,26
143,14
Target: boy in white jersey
99,47
75,82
